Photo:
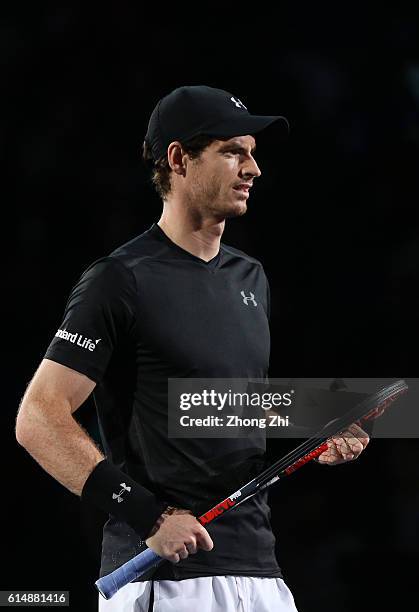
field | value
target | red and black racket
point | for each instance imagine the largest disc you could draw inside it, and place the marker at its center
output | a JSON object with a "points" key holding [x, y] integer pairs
{"points": [[369, 408]]}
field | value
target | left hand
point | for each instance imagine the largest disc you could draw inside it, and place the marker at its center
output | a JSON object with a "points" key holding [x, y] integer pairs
{"points": [[345, 447]]}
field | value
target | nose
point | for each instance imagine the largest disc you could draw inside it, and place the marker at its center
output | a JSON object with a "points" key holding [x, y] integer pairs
{"points": [[250, 168]]}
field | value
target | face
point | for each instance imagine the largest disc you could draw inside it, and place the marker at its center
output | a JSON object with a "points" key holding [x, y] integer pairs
{"points": [[219, 181]]}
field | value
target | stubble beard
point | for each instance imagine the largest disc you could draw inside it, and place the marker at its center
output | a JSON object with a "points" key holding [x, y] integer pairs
{"points": [[209, 199]]}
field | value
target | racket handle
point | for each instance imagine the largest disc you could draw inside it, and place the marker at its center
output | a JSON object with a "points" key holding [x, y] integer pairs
{"points": [[129, 571]]}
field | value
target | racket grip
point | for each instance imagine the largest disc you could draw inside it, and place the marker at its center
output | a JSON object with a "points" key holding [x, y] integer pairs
{"points": [[129, 571]]}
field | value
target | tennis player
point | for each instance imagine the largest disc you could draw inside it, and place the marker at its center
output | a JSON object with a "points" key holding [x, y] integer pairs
{"points": [[174, 302]]}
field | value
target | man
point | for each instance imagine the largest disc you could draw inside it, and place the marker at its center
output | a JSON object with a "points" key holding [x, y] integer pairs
{"points": [[173, 302]]}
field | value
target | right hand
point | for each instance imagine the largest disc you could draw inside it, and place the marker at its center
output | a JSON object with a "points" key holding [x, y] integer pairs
{"points": [[177, 534]]}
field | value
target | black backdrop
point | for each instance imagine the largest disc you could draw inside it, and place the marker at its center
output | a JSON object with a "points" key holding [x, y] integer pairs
{"points": [[334, 219]]}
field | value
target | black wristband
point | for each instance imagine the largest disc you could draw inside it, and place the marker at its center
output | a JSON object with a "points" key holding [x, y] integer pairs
{"points": [[118, 494]]}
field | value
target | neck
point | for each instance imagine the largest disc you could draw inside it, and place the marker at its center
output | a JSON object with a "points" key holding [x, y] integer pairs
{"points": [[192, 231]]}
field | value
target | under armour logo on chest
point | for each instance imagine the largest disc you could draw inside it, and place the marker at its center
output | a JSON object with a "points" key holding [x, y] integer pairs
{"points": [[238, 102], [247, 299]]}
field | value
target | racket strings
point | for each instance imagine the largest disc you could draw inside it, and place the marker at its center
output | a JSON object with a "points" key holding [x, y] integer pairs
{"points": [[307, 447]]}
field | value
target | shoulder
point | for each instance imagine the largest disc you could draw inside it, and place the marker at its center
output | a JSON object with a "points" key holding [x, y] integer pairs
{"points": [[232, 252], [106, 268], [139, 249], [120, 262], [106, 279]]}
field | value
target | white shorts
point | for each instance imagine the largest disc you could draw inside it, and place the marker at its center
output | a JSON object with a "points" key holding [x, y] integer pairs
{"points": [[208, 594]]}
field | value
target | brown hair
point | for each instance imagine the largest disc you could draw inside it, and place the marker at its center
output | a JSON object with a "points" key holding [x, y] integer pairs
{"points": [[161, 170]]}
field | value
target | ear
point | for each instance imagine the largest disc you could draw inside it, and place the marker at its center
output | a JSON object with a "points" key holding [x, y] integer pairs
{"points": [[176, 158]]}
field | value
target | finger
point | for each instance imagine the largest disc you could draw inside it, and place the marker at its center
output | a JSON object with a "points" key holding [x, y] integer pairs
{"points": [[358, 432], [191, 546], [204, 540], [356, 439], [342, 447], [353, 446], [183, 553], [174, 558], [355, 435], [331, 455]]}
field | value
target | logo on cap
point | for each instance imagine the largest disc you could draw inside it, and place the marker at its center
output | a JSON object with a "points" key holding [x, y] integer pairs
{"points": [[238, 102]]}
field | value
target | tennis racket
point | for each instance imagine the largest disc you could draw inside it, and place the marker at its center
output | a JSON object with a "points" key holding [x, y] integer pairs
{"points": [[369, 408]]}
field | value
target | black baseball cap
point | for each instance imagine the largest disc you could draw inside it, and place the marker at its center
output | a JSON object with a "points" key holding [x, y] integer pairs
{"points": [[193, 110]]}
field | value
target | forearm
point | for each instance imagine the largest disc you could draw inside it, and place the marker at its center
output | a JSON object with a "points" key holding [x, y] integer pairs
{"points": [[58, 443]]}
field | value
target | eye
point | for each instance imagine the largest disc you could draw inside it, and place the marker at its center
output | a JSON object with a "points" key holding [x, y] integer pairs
{"points": [[232, 152]]}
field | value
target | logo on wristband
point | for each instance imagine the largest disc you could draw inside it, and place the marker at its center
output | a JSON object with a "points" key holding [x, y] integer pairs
{"points": [[121, 492]]}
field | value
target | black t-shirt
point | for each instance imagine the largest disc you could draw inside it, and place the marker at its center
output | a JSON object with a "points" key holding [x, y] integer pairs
{"points": [[149, 312]]}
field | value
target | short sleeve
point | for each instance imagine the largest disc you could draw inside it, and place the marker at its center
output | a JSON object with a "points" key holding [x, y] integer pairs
{"points": [[99, 314]]}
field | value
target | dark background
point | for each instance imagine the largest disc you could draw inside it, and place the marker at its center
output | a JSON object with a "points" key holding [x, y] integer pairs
{"points": [[334, 219]]}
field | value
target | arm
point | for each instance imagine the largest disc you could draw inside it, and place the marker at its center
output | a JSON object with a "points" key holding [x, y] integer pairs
{"points": [[102, 305], [46, 428]]}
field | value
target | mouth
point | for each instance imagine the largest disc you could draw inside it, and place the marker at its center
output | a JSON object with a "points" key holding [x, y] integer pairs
{"points": [[243, 188]]}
